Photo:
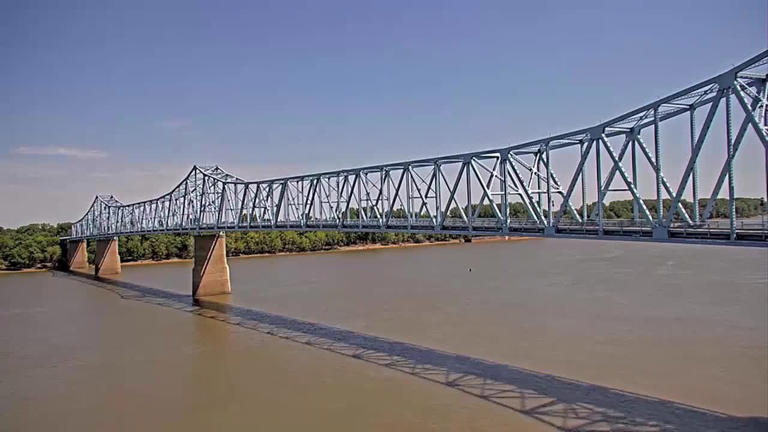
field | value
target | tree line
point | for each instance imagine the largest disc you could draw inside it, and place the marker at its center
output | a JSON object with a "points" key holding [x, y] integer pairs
{"points": [[37, 245], [623, 209]]}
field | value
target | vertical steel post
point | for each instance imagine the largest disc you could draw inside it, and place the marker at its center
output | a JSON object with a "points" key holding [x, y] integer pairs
{"points": [[549, 188], [438, 197], [300, 202], [390, 203], [338, 200], [184, 204], [765, 123], [470, 217], [408, 203], [381, 203], [241, 210], [635, 209], [657, 149], [538, 179], [360, 205], [729, 137], [695, 172], [221, 204], [155, 210], [599, 172], [202, 199], [504, 155], [279, 204], [168, 214], [109, 218], [583, 188]]}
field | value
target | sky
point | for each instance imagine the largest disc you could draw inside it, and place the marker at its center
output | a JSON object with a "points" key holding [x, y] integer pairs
{"points": [[124, 97]]}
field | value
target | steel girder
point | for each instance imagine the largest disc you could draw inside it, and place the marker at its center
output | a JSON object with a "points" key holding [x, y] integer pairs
{"points": [[502, 191]]}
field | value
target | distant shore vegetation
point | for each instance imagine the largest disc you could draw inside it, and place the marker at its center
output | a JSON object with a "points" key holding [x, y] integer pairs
{"points": [[37, 245]]}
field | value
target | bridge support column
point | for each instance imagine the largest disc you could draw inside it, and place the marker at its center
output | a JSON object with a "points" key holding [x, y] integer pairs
{"points": [[107, 258], [210, 274], [77, 255]]}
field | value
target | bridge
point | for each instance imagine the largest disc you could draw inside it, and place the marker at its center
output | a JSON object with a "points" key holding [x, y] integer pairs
{"points": [[537, 188]]}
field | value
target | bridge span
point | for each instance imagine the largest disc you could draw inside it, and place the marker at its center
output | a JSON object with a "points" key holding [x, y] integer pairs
{"points": [[540, 188]]}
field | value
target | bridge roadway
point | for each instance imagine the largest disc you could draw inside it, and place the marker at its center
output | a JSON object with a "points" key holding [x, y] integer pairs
{"points": [[524, 189]]}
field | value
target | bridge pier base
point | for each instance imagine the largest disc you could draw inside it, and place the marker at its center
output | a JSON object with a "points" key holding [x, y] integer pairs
{"points": [[77, 255], [550, 231], [107, 258], [210, 274]]}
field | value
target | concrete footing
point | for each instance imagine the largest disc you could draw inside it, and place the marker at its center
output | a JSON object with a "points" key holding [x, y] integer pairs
{"points": [[107, 259], [550, 231], [210, 274], [77, 255]]}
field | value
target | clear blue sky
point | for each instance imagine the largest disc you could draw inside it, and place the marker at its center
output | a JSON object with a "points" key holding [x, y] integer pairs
{"points": [[102, 97]]}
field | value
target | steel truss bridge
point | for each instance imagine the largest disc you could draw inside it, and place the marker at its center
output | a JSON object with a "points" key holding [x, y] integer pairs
{"points": [[546, 182]]}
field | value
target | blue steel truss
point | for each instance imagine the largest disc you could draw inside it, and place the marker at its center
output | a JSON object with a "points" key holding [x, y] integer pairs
{"points": [[472, 193]]}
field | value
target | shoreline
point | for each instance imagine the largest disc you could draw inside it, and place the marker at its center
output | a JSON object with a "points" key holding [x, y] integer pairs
{"points": [[351, 248], [27, 270], [341, 249]]}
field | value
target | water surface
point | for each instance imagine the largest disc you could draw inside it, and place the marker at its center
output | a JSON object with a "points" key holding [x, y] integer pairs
{"points": [[681, 322], [76, 357]]}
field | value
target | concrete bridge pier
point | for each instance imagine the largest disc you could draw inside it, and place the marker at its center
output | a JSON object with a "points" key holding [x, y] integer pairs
{"points": [[210, 274], [107, 258], [76, 255]]}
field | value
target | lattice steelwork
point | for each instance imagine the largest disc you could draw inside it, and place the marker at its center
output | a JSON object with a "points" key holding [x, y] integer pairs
{"points": [[472, 193]]}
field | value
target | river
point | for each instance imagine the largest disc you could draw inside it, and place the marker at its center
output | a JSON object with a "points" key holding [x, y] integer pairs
{"points": [[681, 323]]}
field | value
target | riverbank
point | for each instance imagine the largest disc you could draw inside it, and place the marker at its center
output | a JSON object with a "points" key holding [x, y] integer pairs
{"points": [[30, 270], [351, 248]]}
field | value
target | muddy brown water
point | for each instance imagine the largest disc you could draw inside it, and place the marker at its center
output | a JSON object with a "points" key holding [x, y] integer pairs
{"points": [[685, 323]]}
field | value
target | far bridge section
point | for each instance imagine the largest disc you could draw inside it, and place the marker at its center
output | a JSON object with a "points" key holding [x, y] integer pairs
{"points": [[543, 187]]}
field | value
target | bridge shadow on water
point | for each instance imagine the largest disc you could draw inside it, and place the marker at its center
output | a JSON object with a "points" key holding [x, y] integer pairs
{"points": [[562, 403]]}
